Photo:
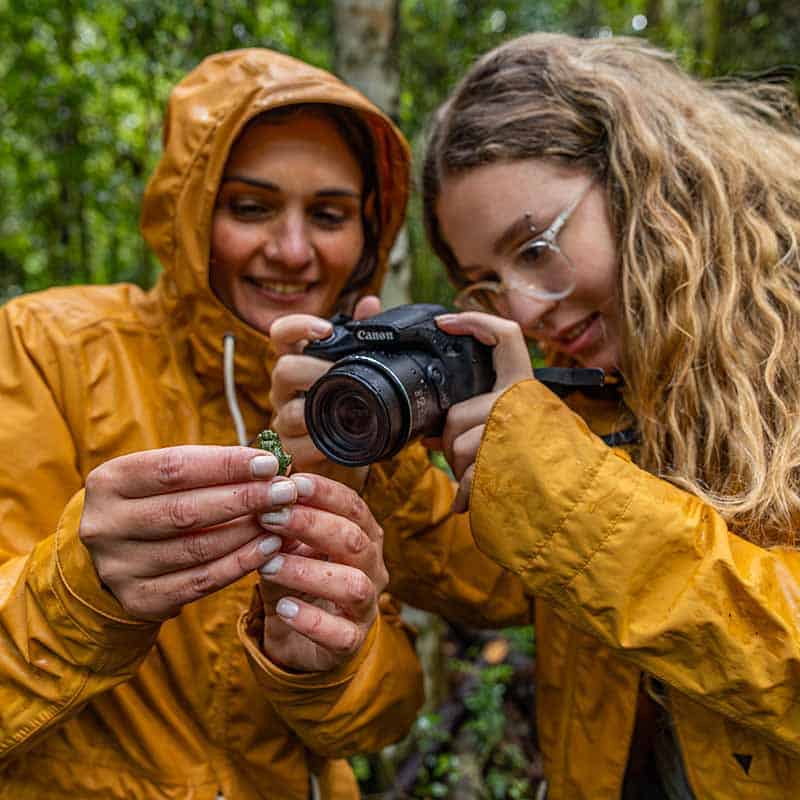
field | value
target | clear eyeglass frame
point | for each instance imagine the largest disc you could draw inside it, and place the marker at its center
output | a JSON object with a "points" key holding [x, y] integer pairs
{"points": [[557, 277]]}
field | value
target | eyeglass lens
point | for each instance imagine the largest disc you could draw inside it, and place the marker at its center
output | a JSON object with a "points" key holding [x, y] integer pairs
{"points": [[541, 270]]}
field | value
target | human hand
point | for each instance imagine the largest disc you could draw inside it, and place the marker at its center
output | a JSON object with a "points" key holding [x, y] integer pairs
{"points": [[332, 563], [167, 527], [292, 376], [466, 421]]}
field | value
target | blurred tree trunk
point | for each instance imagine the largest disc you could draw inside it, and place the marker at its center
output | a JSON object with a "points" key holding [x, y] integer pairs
{"points": [[365, 55], [712, 30], [654, 10]]}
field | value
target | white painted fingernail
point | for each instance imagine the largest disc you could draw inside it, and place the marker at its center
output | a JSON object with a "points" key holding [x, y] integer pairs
{"points": [[283, 492], [287, 608], [269, 545], [272, 566], [305, 486], [276, 517], [264, 466]]}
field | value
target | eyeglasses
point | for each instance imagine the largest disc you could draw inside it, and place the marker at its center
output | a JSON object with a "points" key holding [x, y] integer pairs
{"points": [[541, 270]]}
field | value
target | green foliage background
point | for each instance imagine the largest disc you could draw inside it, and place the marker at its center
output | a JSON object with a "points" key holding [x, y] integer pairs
{"points": [[85, 83]]}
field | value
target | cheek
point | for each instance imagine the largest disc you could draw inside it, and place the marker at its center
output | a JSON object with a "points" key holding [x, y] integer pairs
{"points": [[230, 245], [342, 253]]}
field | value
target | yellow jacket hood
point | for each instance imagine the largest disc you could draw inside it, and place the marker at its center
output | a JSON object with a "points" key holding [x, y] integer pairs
{"points": [[206, 113]]}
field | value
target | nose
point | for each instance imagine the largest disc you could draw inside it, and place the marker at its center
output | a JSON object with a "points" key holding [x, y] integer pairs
{"points": [[289, 242], [530, 312]]}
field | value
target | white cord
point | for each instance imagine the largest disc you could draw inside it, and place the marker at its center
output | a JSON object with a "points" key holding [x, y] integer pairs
{"points": [[228, 348]]}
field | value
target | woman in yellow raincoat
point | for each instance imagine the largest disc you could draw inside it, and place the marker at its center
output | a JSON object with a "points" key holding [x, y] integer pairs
{"points": [[132, 525], [593, 197], [636, 220]]}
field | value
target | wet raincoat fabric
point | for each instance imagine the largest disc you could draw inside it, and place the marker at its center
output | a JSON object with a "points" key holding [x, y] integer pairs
{"points": [[93, 703], [633, 580]]}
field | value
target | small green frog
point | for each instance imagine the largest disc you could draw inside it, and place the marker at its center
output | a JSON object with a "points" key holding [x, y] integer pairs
{"points": [[270, 441]]}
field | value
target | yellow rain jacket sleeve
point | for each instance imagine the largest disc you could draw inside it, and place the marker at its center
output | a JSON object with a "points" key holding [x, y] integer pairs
{"points": [[643, 567], [319, 705], [63, 638], [430, 553]]}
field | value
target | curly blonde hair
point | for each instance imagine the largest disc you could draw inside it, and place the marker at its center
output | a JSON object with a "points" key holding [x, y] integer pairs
{"points": [[703, 188]]}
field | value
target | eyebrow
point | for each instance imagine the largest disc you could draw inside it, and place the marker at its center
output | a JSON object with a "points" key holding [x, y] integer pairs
{"points": [[514, 231], [273, 187]]}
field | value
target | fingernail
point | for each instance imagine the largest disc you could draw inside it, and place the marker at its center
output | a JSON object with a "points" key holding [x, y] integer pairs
{"points": [[282, 492], [275, 517], [305, 486], [445, 317], [264, 466], [272, 566], [321, 328], [287, 608], [269, 545]]}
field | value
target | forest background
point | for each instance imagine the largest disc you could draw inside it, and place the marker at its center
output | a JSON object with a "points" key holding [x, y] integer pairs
{"points": [[84, 85]]}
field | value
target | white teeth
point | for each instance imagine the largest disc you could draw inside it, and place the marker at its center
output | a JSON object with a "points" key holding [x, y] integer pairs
{"points": [[577, 331], [282, 288]]}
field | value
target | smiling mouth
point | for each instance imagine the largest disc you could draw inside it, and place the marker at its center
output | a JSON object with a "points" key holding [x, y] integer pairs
{"points": [[576, 330], [279, 287]]}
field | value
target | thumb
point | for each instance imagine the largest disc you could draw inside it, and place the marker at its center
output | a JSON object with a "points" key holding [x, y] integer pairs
{"points": [[367, 307]]}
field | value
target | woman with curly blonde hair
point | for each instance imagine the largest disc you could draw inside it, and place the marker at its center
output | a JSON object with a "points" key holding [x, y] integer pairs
{"points": [[593, 197]]}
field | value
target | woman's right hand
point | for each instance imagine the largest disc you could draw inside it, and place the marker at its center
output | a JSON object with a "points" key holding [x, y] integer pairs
{"points": [[321, 593], [167, 527], [466, 421], [293, 375]]}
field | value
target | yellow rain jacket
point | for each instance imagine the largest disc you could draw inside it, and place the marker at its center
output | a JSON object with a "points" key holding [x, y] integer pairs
{"points": [[632, 577], [95, 704]]}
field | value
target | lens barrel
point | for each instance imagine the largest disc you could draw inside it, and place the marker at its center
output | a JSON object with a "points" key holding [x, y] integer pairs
{"points": [[365, 408]]}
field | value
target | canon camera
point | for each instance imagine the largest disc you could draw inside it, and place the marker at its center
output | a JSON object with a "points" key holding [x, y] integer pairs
{"points": [[395, 377]]}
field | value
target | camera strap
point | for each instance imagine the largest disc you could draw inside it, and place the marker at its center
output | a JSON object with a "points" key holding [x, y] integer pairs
{"points": [[622, 438], [565, 380]]}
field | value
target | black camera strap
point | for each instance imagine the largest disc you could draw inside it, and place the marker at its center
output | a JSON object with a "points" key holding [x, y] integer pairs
{"points": [[622, 438]]}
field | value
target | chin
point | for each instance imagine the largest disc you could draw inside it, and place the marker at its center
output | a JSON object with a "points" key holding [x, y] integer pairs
{"points": [[262, 324], [604, 360], [608, 365], [260, 318]]}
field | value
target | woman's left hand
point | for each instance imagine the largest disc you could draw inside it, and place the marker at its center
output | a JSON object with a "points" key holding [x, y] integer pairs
{"points": [[332, 565], [466, 421]]}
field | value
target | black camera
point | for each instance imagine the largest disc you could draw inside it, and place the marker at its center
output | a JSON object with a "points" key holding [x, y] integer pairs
{"points": [[395, 377]]}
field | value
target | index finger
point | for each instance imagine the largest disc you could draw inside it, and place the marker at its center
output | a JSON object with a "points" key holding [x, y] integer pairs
{"points": [[290, 334], [329, 495], [512, 361], [171, 469], [293, 374]]}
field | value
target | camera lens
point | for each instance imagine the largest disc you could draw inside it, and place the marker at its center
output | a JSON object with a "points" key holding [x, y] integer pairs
{"points": [[357, 412], [351, 414]]}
